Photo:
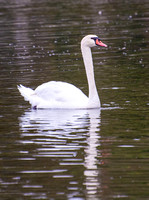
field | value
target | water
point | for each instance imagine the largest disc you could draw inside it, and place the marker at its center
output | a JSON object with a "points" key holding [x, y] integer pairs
{"points": [[74, 154]]}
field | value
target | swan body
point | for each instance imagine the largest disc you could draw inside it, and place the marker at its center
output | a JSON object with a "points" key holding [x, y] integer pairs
{"points": [[62, 95]]}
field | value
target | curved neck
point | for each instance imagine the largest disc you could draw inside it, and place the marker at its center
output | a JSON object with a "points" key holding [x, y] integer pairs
{"points": [[88, 62]]}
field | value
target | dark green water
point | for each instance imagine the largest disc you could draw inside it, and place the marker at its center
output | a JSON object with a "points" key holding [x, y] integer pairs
{"points": [[75, 154]]}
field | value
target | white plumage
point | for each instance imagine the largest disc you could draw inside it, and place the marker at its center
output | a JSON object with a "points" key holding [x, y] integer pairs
{"points": [[62, 95], [54, 94]]}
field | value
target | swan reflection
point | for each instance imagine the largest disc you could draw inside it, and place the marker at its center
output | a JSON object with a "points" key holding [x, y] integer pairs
{"points": [[63, 134], [91, 154]]}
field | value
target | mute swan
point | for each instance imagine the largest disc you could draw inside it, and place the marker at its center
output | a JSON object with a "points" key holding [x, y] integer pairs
{"points": [[62, 95]]}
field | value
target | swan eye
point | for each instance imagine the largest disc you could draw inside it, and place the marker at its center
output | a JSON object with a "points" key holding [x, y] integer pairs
{"points": [[95, 39]]}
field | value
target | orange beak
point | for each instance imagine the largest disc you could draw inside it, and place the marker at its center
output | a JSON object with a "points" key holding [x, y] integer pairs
{"points": [[99, 43]]}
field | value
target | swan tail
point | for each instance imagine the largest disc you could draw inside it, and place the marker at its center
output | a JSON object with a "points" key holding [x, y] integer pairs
{"points": [[25, 92], [29, 95]]}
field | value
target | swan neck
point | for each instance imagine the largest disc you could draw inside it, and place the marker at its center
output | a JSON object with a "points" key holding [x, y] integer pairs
{"points": [[88, 62]]}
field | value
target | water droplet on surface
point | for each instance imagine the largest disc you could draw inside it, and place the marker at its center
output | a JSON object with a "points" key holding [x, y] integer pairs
{"points": [[100, 12]]}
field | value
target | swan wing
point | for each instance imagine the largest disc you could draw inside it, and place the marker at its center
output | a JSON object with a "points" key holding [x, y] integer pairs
{"points": [[61, 95], [55, 94]]}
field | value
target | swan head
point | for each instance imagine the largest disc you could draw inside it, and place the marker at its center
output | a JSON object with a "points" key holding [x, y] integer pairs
{"points": [[92, 41]]}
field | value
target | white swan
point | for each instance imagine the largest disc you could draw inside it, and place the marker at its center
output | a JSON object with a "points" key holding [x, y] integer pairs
{"points": [[62, 95]]}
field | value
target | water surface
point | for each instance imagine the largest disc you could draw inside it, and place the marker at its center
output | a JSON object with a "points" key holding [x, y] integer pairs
{"points": [[74, 154]]}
